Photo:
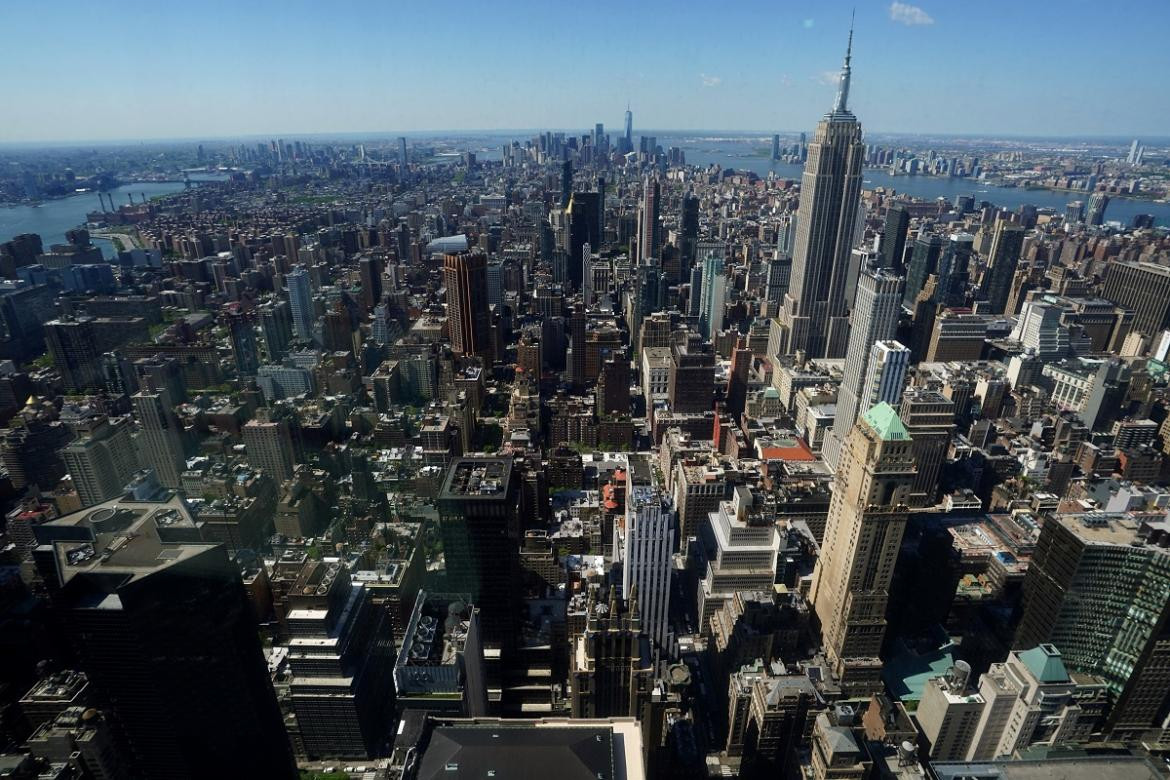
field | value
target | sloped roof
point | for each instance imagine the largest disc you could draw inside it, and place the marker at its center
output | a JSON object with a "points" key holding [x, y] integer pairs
{"points": [[885, 421], [1045, 664]]}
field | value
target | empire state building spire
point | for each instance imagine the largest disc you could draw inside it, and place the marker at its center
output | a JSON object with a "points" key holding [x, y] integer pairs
{"points": [[841, 106]]}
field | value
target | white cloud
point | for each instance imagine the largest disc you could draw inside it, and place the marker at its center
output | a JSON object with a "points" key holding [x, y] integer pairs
{"points": [[907, 14], [710, 81], [829, 78]]}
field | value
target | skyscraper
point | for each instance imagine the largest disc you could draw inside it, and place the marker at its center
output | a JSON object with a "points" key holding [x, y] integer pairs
{"points": [[689, 229], [162, 628], [160, 437], [241, 325], [646, 554], [629, 137], [923, 262], [1098, 201], [465, 277], [867, 515], [403, 158], [300, 301], [893, 243], [276, 327], [713, 296], [101, 460], [341, 655], [612, 669], [1006, 245], [650, 230], [480, 531], [814, 314], [874, 319], [269, 446], [1097, 589], [775, 147]]}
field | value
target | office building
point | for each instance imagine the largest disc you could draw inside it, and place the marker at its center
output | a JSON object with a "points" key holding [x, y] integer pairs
{"points": [[690, 387], [929, 417], [480, 531], [300, 301], [439, 748], [1098, 201], [1096, 589], [746, 545], [815, 308], [101, 460], [1143, 288], [924, 257], [647, 546], [893, 241], [1002, 261], [465, 277], [241, 325], [863, 533], [340, 657], [160, 624], [440, 666], [611, 664], [713, 295], [160, 440], [874, 319], [1029, 700], [650, 226], [270, 449], [949, 714]]}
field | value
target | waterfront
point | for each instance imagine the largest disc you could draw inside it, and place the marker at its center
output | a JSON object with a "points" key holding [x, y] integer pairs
{"points": [[53, 217]]}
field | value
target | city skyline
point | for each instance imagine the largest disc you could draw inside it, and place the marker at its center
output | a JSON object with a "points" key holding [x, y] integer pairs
{"points": [[399, 83]]}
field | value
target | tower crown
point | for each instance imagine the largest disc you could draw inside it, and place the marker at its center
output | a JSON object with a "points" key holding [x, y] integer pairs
{"points": [[842, 104]]}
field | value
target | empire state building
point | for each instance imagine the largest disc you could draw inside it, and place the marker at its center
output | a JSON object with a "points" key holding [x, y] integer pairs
{"points": [[814, 317]]}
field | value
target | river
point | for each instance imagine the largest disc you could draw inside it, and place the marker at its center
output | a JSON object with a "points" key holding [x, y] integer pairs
{"points": [[53, 217]]}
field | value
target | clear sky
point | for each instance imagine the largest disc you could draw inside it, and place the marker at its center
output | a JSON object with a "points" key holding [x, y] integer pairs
{"points": [[201, 69]]}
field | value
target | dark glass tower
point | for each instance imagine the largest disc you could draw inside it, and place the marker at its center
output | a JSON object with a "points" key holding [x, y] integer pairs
{"points": [[160, 623]]}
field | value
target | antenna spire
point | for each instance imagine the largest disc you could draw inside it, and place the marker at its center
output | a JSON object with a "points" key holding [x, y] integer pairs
{"points": [[842, 104]]}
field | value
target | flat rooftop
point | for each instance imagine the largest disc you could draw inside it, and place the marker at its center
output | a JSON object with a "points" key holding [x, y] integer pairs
{"points": [[478, 478]]}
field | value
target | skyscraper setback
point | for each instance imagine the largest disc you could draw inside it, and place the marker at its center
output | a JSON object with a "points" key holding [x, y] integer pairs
{"points": [[814, 313]]}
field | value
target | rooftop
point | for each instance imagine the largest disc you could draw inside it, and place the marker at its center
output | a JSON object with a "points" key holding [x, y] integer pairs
{"points": [[886, 423]]}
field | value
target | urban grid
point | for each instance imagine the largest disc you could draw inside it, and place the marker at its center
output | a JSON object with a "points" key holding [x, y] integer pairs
{"points": [[554, 455]]}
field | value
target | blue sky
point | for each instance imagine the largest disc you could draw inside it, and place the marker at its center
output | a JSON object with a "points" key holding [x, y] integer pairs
{"points": [[88, 70]]}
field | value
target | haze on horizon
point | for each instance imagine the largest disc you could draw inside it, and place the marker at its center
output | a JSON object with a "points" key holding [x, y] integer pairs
{"points": [[214, 69]]}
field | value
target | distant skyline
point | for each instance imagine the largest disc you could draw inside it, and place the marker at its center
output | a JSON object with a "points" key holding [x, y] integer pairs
{"points": [[213, 69]]}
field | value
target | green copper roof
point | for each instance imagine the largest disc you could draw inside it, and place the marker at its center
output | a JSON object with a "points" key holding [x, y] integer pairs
{"points": [[884, 419], [1044, 663]]}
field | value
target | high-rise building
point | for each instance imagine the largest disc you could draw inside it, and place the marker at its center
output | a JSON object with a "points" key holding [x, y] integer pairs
{"points": [[101, 460], [403, 157], [692, 378], [1098, 202], [1029, 699], [628, 138], [949, 714], [612, 667], [779, 277], [689, 229], [300, 301], [584, 211], [269, 446], [775, 146], [830, 191], [160, 437], [276, 327], [465, 277], [163, 629], [747, 545], [241, 325], [874, 320], [1006, 245], [953, 270], [713, 295], [893, 244], [480, 530], [924, 259], [647, 549], [1096, 589], [341, 655], [867, 515], [929, 417], [1144, 288], [650, 226]]}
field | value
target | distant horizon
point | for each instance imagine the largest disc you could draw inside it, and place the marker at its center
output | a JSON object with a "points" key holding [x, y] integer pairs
{"points": [[525, 132]]}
